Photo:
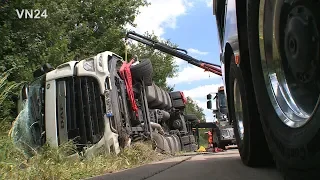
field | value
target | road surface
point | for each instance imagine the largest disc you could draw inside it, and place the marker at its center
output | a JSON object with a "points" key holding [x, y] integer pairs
{"points": [[217, 166]]}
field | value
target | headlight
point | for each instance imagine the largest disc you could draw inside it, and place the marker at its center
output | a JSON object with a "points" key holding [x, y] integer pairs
{"points": [[89, 64], [224, 116]]}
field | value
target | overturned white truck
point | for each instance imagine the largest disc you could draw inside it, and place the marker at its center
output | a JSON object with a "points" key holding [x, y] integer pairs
{"points": [[103, 102]]}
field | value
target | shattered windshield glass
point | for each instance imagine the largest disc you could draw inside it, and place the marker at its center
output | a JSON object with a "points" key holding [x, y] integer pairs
{"points": [[28, 126]]}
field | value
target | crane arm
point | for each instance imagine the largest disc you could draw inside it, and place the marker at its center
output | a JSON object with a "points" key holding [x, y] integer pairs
{"points": [[177, 52]]}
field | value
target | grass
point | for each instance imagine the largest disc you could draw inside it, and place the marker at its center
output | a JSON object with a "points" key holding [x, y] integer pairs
{"points": [[52, 163]]}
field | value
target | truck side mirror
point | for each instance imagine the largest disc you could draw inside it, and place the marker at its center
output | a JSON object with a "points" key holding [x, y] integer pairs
{"points": [[209, 97], [215, 111], [209, 104]]}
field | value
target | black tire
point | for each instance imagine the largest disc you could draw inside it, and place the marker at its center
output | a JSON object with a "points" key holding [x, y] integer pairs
{"points": [[295, 150], [178, 142], [222, 146], [191, 117], [189, 139], [178, 103], [190, 147], [253, 144], [160, 143], [175, 95], [143, 70], [171, 143]]}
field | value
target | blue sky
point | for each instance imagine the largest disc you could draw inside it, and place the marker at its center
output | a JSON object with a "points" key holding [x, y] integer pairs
{"points": [[191, 25]]}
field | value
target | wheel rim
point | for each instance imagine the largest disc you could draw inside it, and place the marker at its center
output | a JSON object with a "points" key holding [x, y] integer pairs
{"points": [[238, 109], [289, 48]]}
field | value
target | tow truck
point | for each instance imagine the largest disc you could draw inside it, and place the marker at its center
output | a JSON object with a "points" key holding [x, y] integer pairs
{"points": [[226, 136], [270, 58]]}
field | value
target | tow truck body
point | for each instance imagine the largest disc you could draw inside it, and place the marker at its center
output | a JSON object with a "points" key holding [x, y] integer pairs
{"points": [[269, 54], [226, 136]]}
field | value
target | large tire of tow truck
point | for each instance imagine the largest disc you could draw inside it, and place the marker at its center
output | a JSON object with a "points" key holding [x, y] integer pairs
{"points": [[143, 70], [252, 145], [286, 85]]}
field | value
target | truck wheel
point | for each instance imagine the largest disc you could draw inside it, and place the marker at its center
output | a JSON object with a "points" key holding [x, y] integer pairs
{"points": [[143, 70], [160, 144], [172, 144], [190, 147], [284, 57], [190, 117], [177, 141], [175, 95], [189, 139], [250, 137]]}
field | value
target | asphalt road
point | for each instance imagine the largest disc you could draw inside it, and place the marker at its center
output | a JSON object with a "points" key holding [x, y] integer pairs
{"points": [[215, 166]]}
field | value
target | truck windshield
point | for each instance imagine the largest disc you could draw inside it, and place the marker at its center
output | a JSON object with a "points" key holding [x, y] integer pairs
{"points": [[29, 125], [222, 99]]}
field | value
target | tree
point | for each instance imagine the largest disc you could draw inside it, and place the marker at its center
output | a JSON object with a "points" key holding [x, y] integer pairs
{"points": [[73, 29], [193, 108], [163, 64]]}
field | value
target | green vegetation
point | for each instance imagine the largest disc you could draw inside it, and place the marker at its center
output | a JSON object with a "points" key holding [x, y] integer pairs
{"points": [[203, 139], [53, 163], [193, 108], [163, 64], [73, 30]]}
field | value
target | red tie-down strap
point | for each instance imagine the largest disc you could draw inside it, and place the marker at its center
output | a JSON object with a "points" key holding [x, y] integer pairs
{"points": [[125, 74], [184, 99]]}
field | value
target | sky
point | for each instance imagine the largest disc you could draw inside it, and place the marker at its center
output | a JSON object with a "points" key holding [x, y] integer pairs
{"points": [[191, 25]]}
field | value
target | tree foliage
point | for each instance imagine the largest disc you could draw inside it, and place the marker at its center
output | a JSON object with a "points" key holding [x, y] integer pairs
{"points": [[163, 64], [193, 108], [73, 29]]}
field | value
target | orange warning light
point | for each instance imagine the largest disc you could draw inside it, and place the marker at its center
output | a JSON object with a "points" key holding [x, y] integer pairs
{"points": [[237, 59]]}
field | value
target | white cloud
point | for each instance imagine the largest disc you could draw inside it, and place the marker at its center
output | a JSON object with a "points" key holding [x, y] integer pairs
{"points": [[196, 51], [190, 74], [202, 91], [159, 15], [178, 61], [209, 3]]}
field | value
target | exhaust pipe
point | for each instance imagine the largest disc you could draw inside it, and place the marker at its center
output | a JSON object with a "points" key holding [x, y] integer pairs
{"points": [[156, 126]]}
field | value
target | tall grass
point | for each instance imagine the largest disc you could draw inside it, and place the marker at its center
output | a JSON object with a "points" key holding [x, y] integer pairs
{"points": [[4, 87], [53, 163]]}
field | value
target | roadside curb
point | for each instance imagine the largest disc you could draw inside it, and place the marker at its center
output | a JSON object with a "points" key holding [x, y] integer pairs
{"points": [[144, 171]]}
